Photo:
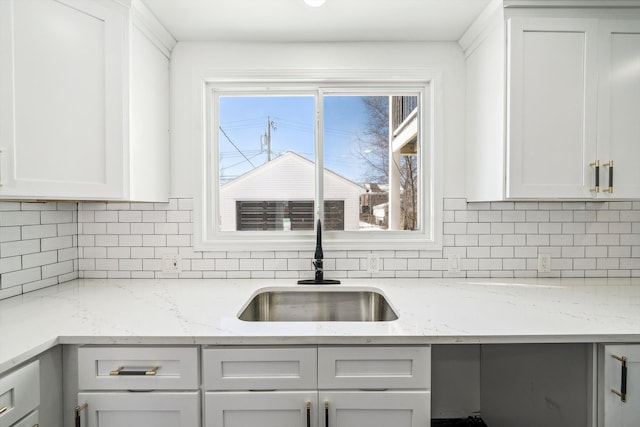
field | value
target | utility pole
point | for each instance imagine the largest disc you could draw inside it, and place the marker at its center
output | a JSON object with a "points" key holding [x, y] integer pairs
{"points": [[270, 125]]}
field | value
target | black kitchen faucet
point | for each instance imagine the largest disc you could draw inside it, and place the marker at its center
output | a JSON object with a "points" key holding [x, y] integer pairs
{"points": [[318, 256]]}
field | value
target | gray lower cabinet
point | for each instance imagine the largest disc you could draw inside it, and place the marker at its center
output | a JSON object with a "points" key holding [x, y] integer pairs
{"points": [[619, 389], [346, 386], [261, 408], [31, 394], [152, 409], [20, 396], [153, 386]]}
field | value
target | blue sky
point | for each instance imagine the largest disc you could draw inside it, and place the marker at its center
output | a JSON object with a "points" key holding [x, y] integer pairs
{"points": [[244, 121]]}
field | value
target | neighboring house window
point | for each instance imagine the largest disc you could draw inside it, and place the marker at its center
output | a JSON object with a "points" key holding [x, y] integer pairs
{"points": [[358, 157]]}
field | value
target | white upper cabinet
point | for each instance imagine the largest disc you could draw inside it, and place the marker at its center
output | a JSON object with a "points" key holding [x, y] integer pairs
{"points": [[619, 108], [83, 101], [548, 111], [551, 93]]}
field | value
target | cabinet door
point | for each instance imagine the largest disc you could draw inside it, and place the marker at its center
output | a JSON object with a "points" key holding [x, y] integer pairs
{"points": [[31, 420], [619, 107], [614, 412], [264, 409], [61, 99], [551, 107], [375, 409], [19, 393], [150, 409]]}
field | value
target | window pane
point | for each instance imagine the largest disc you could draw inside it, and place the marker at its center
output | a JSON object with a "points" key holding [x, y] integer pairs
{"points": [[371, 160], [266, 162]]}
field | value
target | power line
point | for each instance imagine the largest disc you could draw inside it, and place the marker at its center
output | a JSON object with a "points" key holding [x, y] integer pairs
{"points": [[235, 146]]}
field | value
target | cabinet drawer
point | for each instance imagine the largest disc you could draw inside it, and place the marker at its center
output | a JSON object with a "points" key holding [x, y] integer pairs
{"points": [[157, 409], [137, 368], [19, 393], [371, 368], [284, 368], [30, 420]]}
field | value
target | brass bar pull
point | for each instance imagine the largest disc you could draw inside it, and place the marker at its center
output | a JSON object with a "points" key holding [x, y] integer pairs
{"points": [[623, 379], [610, 166], [135, 371], [326, 413], [596, 164], [308, 414], [3, 409], [79, 409]]}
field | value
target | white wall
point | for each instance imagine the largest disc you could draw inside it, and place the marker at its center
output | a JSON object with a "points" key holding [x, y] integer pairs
{"points": [[192, 62]]}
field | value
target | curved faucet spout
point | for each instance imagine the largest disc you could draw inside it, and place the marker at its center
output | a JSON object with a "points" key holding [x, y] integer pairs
{"points": [[318, 263]]}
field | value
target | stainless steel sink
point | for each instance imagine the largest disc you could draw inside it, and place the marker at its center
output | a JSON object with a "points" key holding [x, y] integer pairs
{"points": [[318, 306]]}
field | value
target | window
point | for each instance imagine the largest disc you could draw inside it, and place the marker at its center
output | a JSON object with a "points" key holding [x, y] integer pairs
{"points": [[280, 155]]}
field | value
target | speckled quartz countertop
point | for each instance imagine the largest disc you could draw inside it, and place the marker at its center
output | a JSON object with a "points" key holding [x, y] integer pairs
{"points": [[431, 311]]}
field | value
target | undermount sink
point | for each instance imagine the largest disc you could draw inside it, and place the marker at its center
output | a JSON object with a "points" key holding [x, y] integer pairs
{"points": [[318, 306]]}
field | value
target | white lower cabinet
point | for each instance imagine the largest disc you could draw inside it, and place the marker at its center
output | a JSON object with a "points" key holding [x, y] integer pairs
{"points": [[619, 390], [20, 395], [122, 386], [375, 408], [261, 408], [349, 386], [31, 420]]}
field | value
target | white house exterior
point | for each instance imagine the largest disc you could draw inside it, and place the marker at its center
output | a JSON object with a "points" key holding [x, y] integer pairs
{"points": [[289, 177]]}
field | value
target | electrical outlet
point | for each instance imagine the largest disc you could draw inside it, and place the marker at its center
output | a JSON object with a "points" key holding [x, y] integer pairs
{"points": [[544, 263], [453, 264], [171, 263], [373, 263]]}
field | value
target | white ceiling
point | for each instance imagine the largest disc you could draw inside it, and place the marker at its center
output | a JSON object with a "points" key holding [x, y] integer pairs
{"points": [[337, 20]]}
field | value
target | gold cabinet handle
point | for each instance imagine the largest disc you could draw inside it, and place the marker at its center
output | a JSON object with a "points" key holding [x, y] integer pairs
{"points": [[610, 166], [3, 409], [596, 164], [135, 371], [623, 378]]}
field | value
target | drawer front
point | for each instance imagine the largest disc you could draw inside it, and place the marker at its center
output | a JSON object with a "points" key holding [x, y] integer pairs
{"points": [[283, 368], [138, 368], [156, 409], [30, 420], [374, 368], [19, 393]]}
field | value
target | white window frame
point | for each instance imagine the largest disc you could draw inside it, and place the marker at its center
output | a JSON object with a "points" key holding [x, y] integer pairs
{"points": [[207, 236]]}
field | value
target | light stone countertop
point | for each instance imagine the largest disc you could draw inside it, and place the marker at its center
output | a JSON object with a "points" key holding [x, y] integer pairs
{"points": [[431, 311]]}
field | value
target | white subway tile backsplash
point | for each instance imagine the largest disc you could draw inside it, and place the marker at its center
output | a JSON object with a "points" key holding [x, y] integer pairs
{"points": [[118, 228], [9, 218], [20, 277], [497, 239], [40, 284], [8, 234], [19, 247], [39, 259], [119, 252], [56, 217], [51, 243], [154, 216], [8, 264], [52, 270], [39, 231], [106, 216]]}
